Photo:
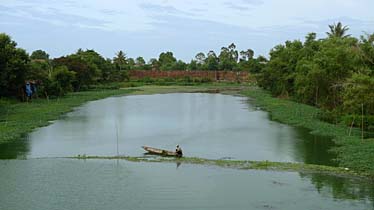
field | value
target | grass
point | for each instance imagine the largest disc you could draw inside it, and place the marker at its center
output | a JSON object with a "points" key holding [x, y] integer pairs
{"points": [[240, 164], [352, 152], [17, 119]]}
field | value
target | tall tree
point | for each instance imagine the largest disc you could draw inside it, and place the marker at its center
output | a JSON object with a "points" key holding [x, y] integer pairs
{"points": [[233, 52], [13, 66], [167, 61], [86, 71], [39, 55], [200, 58], [246, 55], [227, 58], [154, 63], [212, 61], [338, 30], [120, 61], [139, 61]]}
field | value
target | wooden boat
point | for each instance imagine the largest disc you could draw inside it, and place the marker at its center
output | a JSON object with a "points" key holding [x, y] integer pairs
{"points": [[161, 152]]}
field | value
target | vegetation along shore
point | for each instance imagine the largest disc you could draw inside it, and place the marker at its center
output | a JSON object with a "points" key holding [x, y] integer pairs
{"points": [[323, 84]]}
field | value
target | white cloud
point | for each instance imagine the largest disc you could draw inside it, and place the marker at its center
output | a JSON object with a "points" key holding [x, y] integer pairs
{"points": [[131, 15]]}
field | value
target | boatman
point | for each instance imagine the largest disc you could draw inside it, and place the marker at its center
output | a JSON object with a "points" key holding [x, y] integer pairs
{"points": [[178, 150]]}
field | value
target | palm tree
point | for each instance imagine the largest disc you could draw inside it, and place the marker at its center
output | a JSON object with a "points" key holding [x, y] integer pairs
{"points": [[120, 61], [338, 30]]}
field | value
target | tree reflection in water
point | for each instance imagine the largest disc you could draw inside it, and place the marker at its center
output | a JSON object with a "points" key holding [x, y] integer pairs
{"points": [[342, 187]]}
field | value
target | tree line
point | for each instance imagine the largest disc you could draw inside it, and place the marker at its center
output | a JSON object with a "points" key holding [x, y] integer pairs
{"points": [[83, 68], [335, 74]]}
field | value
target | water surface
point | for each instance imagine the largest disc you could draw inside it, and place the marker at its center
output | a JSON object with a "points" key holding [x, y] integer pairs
{"points": [[109, 184], [205, 125]]}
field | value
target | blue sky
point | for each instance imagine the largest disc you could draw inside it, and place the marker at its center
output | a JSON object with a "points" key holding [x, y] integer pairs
{"points": [[148, 27]]}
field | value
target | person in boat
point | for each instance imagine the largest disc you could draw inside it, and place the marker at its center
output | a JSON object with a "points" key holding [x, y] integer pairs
{"points": [[178, 150]]}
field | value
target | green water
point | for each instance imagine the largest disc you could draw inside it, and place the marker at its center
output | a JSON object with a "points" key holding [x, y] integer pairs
{"points": [[205, 125]]}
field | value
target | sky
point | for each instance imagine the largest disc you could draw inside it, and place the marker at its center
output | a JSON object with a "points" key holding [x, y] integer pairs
{"points": [[148, 27]]}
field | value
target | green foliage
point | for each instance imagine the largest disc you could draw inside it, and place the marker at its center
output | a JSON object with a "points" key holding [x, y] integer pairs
{"points": [[338, 30], [351, 152], [13, 66], [335, 74], [120, 61], [180, 65], [61, 82], [18, 119], [39, 70], [87, 65], [185, 81], [192, 66], [239, 164], [39, 55], [358, 92], [212, 62], [279, 74]]}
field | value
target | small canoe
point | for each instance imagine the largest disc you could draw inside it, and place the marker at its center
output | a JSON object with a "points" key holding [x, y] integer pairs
{"points": [[161, 152]]}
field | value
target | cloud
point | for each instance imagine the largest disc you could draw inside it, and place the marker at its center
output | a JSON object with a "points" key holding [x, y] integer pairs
{"points": [[108, 15], [148, 27], [140, 15], [236, 6]]}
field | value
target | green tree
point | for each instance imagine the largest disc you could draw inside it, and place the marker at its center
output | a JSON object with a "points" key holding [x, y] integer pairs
{"points": [[180, 65], [358, 94], [338, 31], [13, 66], [61, 82], [166, 61], [212, 61], [366, 51], [104, 66], [131, 63], [120, 61], [39, 55], [192, 66], [154, 63], [279, 74], [200, 58], [140, 61], [233, 52], [225, 59], [246, 55], [87, 73], [358, 91]]}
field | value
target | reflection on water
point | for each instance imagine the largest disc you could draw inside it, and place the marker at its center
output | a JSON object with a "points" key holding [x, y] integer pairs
{"points": [[205, 125], [13, 150], [342, 187], [110, 184], [313, 149]]}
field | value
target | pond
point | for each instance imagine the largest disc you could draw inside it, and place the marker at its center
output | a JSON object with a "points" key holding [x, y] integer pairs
{"points": [[214, 126], [206, 125]]}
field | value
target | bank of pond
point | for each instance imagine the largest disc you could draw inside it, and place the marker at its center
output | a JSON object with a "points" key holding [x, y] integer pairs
{"points": [[99, 144]]}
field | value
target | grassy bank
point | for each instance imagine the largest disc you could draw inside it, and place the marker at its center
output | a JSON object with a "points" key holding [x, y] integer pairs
{"points": [[352, 152], [19, 118]]}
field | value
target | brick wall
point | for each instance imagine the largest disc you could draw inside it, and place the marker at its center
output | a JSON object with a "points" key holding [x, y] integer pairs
{"points": [[232, 76]]}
